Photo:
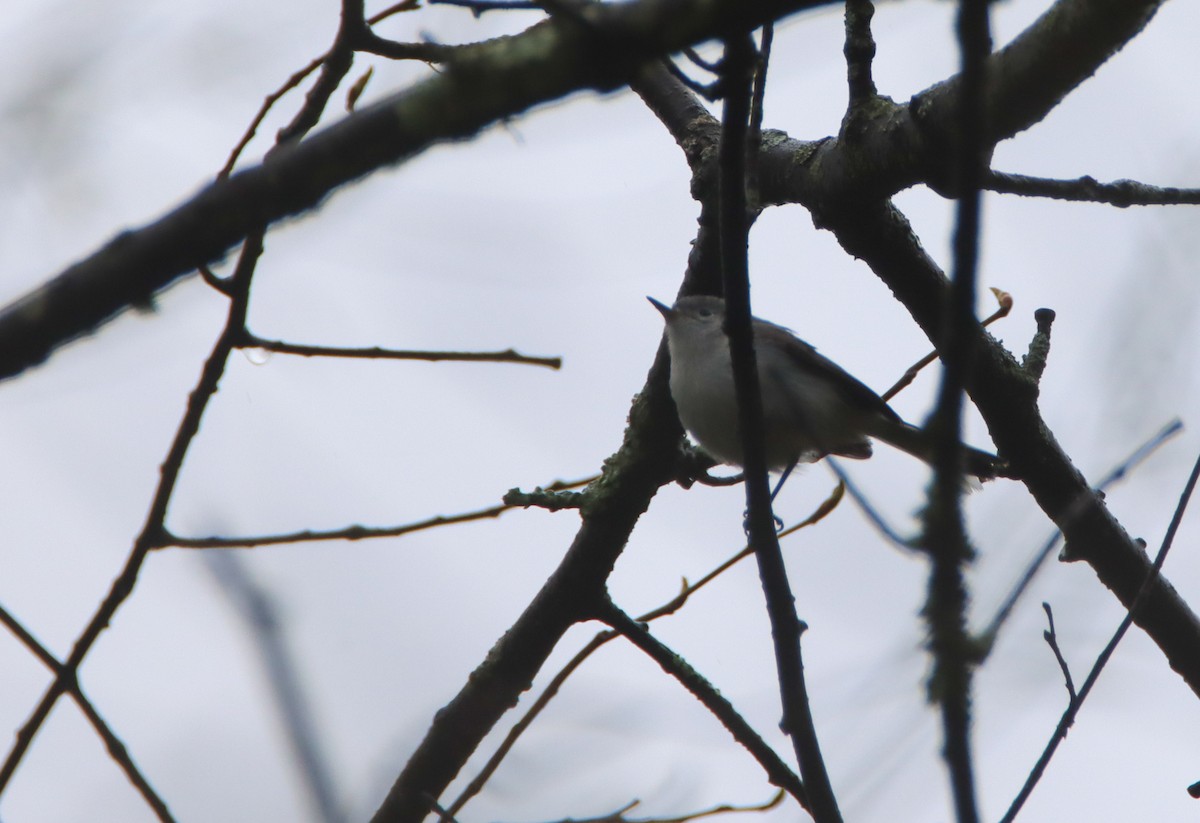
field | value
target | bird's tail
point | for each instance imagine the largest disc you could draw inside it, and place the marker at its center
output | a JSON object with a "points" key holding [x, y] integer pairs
{"points": [[920, 444]]}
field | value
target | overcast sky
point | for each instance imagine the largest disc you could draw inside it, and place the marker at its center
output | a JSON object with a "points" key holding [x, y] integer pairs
{"points": [[545, 235]]}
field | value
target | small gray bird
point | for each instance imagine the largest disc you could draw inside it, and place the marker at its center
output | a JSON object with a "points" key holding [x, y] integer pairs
{"points": [[811, 406]]}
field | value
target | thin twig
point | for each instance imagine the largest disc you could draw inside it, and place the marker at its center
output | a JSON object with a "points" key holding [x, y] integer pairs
{"points": [[252, 341], [395, 8], [1120, 193], [269, 103], [210, 277], [619, 816], [709, 91], [478, 7], [1006, 303], [353, 532], [344, 43], [1068, 718], [757, 112], [673, 664], [254, 605], [707, 65], [1051, 638]]}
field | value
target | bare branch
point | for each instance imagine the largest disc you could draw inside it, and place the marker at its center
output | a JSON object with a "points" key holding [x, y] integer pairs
{"points": [[478, 7], [1120, 193], [944, 535], [786, 627], [1034, 363], [620, 815], [253, 341], [357, 532], [487, 83], [259, 613], [777, 772], [1006, 303], [347, 533], [1031, 75], [395, 8], [859, 51], [1051, 638]]}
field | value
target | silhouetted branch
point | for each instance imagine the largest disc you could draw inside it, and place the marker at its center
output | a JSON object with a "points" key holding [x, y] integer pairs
{"points": [[1034, 362], [777, 771], [253, 341], [1006, 303], [1120, 193], [944, 536], [786, 627], [1051, 638], [859, 51], [620, 815], [1006, 396]]}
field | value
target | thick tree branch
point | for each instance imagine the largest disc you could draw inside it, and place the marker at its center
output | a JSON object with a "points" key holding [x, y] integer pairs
{"points": [[1032, 74], [506, 77], [481, 85], [892, 147], [1007, 398]]}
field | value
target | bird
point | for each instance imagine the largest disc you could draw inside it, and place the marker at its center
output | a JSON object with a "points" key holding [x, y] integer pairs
{"points": [[812, 407]]}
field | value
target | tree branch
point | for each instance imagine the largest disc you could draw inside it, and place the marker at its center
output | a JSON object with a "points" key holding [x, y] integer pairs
{"points": [[1007, 398], [786, 628], [1120, 193], [1032, 74], [504, 78], [253, 341], [777, 771], [487, 83], [945, 536]]}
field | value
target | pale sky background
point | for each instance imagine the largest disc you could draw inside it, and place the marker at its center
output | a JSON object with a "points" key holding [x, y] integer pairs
{"points": [[546, 235]]}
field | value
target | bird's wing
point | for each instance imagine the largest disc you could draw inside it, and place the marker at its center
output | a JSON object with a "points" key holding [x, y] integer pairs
{"points": [[806, 356]]}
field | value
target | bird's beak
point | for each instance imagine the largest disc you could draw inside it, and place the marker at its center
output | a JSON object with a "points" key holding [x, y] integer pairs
{"points": [[665, 311]]}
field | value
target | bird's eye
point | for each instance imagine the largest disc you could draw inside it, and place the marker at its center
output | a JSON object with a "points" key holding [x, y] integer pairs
{"points": [[705, 313]]}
